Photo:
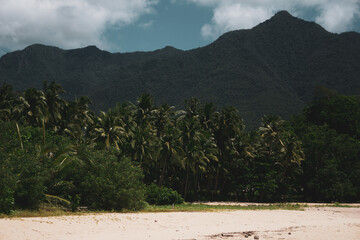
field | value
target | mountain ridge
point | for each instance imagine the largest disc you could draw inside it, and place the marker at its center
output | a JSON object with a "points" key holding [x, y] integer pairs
{"points": [[272, 68]]}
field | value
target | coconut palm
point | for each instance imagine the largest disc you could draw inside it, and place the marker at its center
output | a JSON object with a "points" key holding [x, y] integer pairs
{"points": [[162, 117], [228, 133], [143, 110], [291, 158], [198, 145], [76, 119], [142, 147], [207, 116], [7, 99], [108, 129], [54, 104], [37, 107], [168, 134], [282, 150]]}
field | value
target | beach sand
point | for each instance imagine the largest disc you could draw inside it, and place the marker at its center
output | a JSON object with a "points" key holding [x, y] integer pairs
{"points": [[312, 223]]}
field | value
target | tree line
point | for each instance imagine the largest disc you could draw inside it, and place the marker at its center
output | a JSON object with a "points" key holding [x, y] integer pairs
{"points": [[56, 148]]}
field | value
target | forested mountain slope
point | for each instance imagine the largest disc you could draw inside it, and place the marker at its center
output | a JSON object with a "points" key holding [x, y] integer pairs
{"points": [[271, 68]]}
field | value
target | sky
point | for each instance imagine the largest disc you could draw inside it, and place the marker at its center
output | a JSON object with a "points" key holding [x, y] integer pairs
{"points": [[147, 25]]}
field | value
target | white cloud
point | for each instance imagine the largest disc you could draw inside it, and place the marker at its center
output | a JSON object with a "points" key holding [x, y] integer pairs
{"points": [[334, 15], [65, 23], [338, 16], [237, 17], [146, 25]]}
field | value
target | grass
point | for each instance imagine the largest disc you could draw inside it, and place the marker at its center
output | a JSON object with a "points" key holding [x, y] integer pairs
{"points": [[340, 205], [188, 207], [52, 211], [46, 211], [43, 211]]}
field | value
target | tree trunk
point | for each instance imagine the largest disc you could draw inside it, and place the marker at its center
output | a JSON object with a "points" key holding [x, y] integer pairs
{"points": [[216, 180], [187, 180], [19, 135], [162, 176], [43, 131]]}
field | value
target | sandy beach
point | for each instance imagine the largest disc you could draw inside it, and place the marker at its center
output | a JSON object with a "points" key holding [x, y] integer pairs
{"points": [[312, 223]]}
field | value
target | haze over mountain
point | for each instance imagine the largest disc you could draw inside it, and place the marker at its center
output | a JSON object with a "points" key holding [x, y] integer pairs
{"points": [[271, 68]]}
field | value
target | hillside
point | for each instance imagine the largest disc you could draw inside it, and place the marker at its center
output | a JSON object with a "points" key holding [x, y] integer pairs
{"points": [[271, 68]]}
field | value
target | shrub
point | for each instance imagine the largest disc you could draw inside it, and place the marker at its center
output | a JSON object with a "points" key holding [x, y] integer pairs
{"points": [[162, 195], [113, 183], [21, 175], [7, 186], [30, 188], [6, 200]]}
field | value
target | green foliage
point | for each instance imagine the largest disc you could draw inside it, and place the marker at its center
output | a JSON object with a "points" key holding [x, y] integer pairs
{"points": [[339, 112], [162, 195], [330, 165], [6, 199], [113, 183], [63, 152], [7, 175], [30, 189], [328, 130], [7, 185], [75, 203]]}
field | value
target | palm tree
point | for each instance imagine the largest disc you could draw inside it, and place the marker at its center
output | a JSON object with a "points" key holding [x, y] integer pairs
{"points": [[7, 99], [142, 147], [197, 144], [108, 129], [291, 158], [162, 117], [207, 115], [37, 107], [76, 119], [143, 143], [281, 148], [12, 107], [143, 110], [54, 103], [126, 112], [168, 134], [228, 133], [270, 134]]}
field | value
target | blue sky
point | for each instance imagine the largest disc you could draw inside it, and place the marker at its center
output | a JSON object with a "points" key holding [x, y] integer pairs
{"points": [[146, 25], [175, 24]]}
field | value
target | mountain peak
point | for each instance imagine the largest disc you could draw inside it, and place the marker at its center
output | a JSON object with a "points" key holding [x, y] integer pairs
{"points": [[283, 14], [91, 48], [284, 22], [88, 51], [38, 46], [170, 49]]}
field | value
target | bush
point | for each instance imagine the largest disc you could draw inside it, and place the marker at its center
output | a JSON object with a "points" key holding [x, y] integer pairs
{"points": [[6, 200], [162, 195], [7, 186], [21, 175], [30, 188], [113, 183]]}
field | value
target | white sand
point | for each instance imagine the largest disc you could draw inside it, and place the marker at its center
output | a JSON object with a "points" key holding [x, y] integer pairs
{"points": [[313, 223]]}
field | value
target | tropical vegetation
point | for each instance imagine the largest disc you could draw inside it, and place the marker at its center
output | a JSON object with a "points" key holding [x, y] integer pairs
{"points": [[57, 149]]}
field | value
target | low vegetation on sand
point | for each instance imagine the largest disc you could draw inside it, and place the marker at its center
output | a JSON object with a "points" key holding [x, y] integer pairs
{"points": [[47, 211]]}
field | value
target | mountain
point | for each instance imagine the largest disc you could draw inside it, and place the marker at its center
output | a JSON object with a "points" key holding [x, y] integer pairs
{"points": [[3, 51], [271, 68]]}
